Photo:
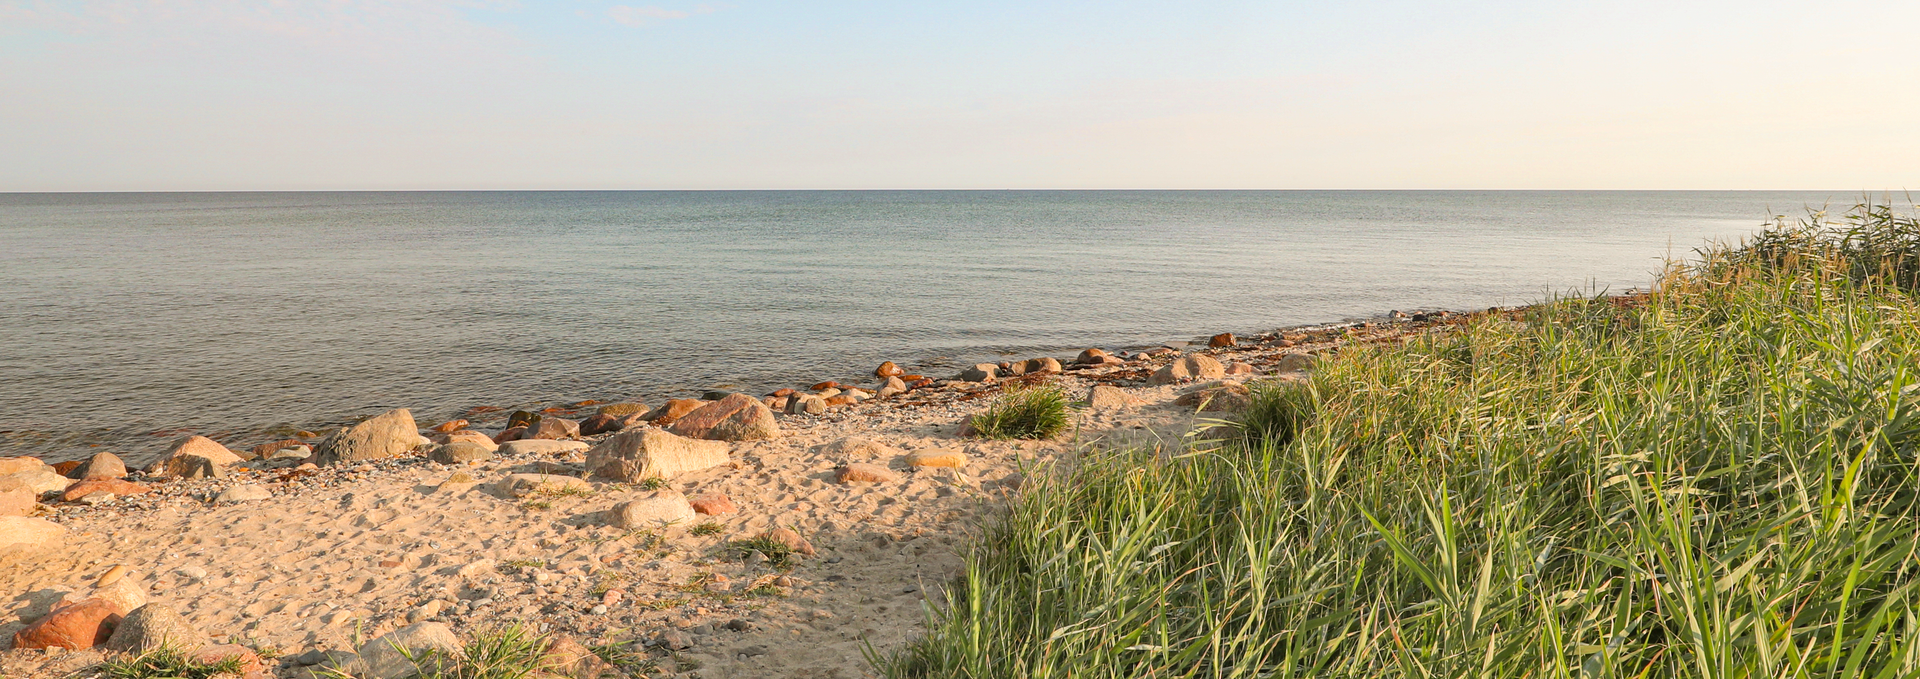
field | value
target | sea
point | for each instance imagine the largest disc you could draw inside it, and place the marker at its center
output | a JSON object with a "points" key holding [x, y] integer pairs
{"points": [[130, 319]]}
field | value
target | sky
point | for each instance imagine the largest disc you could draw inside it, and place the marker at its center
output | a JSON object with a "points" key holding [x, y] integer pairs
{"points": [[193, 95]]}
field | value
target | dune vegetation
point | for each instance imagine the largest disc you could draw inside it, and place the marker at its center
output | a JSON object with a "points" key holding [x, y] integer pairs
{"points": [[1715, 479]]}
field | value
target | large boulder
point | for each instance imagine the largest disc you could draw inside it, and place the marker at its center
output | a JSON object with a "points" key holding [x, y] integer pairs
{"points": [[551, 428], [400, 654], [18, 502], [672, 410], [389, 434], [15, 465], [664, 507], [646, 453], [101, 466], [153, 626], [738, 417], [1189, 368], [39, 482], [73, 627], [194, 457], [20, 532]]}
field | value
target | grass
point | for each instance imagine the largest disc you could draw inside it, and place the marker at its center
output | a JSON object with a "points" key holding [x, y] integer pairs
{"points": [[166, 662], [1716, 480], [653, 483], [510, 652], [778, 554], [1035, 412], [708, 528]]}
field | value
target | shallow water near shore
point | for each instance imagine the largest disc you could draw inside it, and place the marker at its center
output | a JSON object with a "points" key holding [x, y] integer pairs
{"points": [[131, 318]]}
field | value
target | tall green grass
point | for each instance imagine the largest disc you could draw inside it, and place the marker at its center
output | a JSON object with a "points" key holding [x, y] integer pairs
{"points": [[1717, 481]]}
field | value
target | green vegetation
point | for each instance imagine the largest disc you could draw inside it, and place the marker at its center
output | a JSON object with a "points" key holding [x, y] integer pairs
{"points": [[778, 554], [510, 652], [1037, 412], [708, 528], [166, 662], [1714, 480]]}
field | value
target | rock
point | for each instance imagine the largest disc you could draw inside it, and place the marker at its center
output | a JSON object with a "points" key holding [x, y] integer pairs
{"points": [[15, 465], [24, 532], [551, 428], [100, 466], [823, 386], [99, 498], [937, 458], [424, 611], [112, 575], [522, 418], [664, 507], [66, 468], [1238, 368], [509, 434], [647, 453], [673, 639], [302, 452], [672, 411], [854, 448], [266, 450], [1090, 357], [1217, 398], [841, 401], [888, 369], [791, 540], [426, 643], [38, 482], [119, 487], [600, 423], [1294, 361], [1013, 369], [828, 392], [18, 502], [251, 666], [982, 372], [389, 434], [196, 457], [738, 417], [777, 404], [569, 658], [522, 485], [623, 409], [250, 492], [861, 472], [713, 504], [126, 594], [541, 447], [1188, 368], [1222, 340], [1103, 397], [806, 404], [73, 627], [460, 453], [473, 437], [152, 626], [1042, 365], [893, 385]]}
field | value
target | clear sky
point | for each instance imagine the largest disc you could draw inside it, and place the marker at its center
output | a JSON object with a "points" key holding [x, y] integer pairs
{"points": [[657, 94]]}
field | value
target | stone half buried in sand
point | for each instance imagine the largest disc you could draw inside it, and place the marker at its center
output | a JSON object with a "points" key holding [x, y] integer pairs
{"points": [[1294, 361], [1188, 368], [522, 485], [400, 654], [861, 472], [939, 457], [738, 417], [460, 452], [713, 504], [20, 532], [152, 626], [663, 508], [194, 457], [647, 453], [389, 434], [119, 487]]}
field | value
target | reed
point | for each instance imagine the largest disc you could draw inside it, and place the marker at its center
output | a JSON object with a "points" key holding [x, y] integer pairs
{"points": [[1716, 480]]}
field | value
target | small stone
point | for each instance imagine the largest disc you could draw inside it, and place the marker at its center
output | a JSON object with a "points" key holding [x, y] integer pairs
{"points": [[250, 663], [1238, 368], [568, 658], [806, 404], [450, 426], [888, 369], [509, 434], [739, 625], [665, 507], [244, 493], [598, 609], [674, 640], [600, 423], [713, 504], [425, 611], [96, 498], [861, 472], [302, 452], [1043, 365], [460, 453], [937, 458], [1090, 357], [1217, 397], [1222, 340], [399, 654]]}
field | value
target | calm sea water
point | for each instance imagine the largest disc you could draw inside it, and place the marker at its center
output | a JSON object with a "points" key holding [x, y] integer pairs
{"points": [[129, 317]]}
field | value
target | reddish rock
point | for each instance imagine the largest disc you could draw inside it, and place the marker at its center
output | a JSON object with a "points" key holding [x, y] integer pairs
{"points": [[120, 487], [66, 468], [782, 392], [829, 384], [937, 458], [921, 383], [1284, 343], [474, 437], [510, 434], [910, 379], [861, 472], [1222, 340], [888, 369], [600, 424], [73, 627], [450, 426], [268, 449], [673, 410], [738, 417], [841, 401], [714, 504], [792, 540], [552, 428]]}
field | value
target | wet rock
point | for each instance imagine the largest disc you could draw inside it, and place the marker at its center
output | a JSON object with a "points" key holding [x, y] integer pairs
{"points": [[118, 487], [737, 417], [937, 458], [790, 539], [841, 401], [828, 392], [665, 507], [673, 410], [1103, 397], [522, 418], [646, 453], [522, 485], [982, 372], [861, 472], [100, 466], [1042, 365], [1210, 398], [199, 457], [551, 428], [1294, 362], [541, 447], [806, 404], [713, 504], [73, 627], [1188, 368], [600, 423], [1222, 340], [401, 653], [460, 453], [888, 369], [152, 626], [509, 434], [389, 434], [245, 493], [66, 468]]}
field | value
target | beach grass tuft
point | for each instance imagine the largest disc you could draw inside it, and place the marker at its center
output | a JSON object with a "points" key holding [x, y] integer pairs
{"points": [[166, 662], [1030, 412], [1717, 479]]}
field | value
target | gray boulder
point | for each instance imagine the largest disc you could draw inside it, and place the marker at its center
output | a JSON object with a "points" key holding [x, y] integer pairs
{"points": [[152, 626], [389, 434]]}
